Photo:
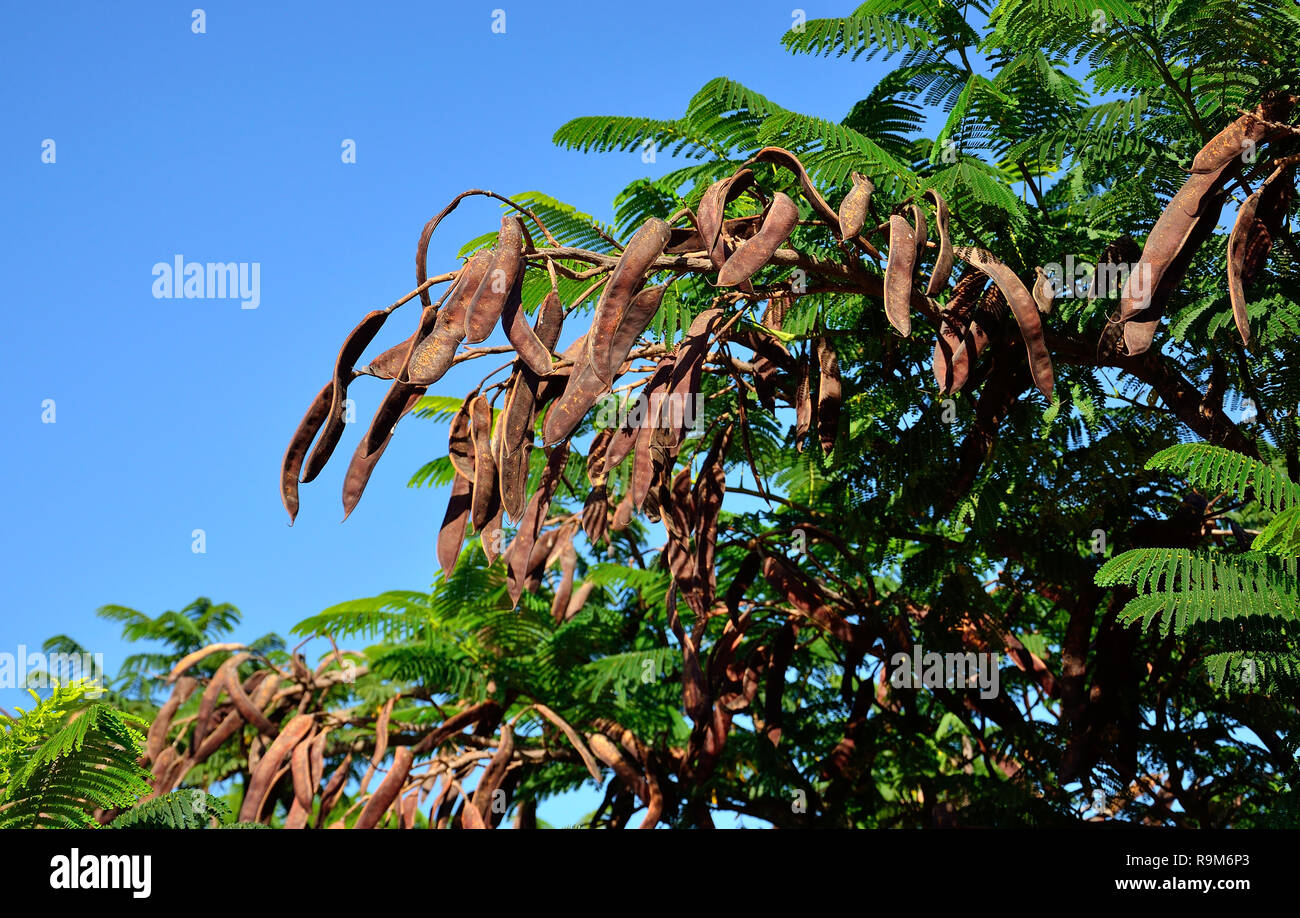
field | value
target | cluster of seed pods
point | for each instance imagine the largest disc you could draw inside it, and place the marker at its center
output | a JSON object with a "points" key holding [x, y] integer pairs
{"points": [[548, 394]]}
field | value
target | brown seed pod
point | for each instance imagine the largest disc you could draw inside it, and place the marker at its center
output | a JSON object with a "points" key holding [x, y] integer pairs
{"points": [[709, 215], [900, 269], [1238, 139], [208, 700], [1022, 307], [944, 260], [353, 347], [245, 706], [460, 445], [363, 464], [1258, 221], [1186, 222], [389, 363], [638, 257], [641, 413], [291, 467], [622, 514], [490, 535], [854, 207], [489, 299], [304, 789], [583, 391], [530, 526], [803, 407], [688, 368], [388, 789], [595, 513], [636, 319], [432, 356], [830, 393], [535, 354], [707, 497], [495, 772], [452, 534], [485, 501], [156, 739], [688, 239], [513, 471], [261, 781], [787, 160], [752, 254], [1044, 291]]}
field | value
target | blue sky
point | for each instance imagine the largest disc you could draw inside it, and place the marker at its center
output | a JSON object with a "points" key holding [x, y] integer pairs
{"points": [[172, 414]]}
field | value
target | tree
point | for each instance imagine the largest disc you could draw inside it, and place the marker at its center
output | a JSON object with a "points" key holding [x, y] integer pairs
{"points": [[736, 628]]}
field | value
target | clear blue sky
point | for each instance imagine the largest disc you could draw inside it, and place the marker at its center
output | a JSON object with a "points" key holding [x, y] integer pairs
{"points": [[172, 414]]}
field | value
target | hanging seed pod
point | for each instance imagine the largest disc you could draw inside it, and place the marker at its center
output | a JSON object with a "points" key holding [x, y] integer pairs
{"points": [[353, 347], [432, 356], [854, 207], [707, 497], [595, 513], [688, 368], [531, 350], [1185, 222], [495, 773], [774, 314], [1044, 291], [636, 319], [513, 470], [686, 240], [583, 391], [709, 216], [568, 566], [485, 500], [900, 269], [389, 363], [1022, 307], [643, 412], [260, 782], [489, 299], [752, 254], [622, 514], [1258, 220], [388, 789], [787, 160], [363, 464], [830, 393], [293, 456], [803, 404], [638, 258], [452, 534], [460, 445], [944, 260], [530, 526], [1239, 138], [490, 536], [156, 739]]}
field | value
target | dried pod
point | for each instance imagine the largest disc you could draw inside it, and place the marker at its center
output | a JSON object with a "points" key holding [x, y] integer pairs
{"points": [[638, 258], [1238, 139], [900, 269], [483, 311], [595, 513], [583, 391], [433, 355], [787, 160], [363, 464], [460, 445], [803, 407], [1022, 307], [490, 536], [642, 412], [353, 347], [709, 215], [1044, 291], [532, 351], [854, 207], [622, 514], [568, 557], [512, 469], [261, 780], [944, 260], [452, 534], [530, 526], [636, 319], [485, 501], [752, 254], [1258, 221], [830, 393], [293, 456], [388, 789]]}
